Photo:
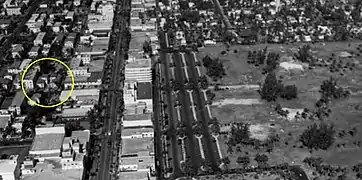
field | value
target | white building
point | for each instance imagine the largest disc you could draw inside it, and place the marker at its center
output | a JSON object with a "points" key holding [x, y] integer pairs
{"points": [[47, 142], [9, 168], [138, 70], [38, 41]]}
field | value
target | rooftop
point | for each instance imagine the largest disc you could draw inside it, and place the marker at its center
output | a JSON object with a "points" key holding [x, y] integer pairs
{"points": [[144, 90], [8, 166], [96, 65], [18, 99], [52, 170], [47, 142], [82, 136], [129, 132], [141, 146], [79, 92], [4, 120], [139, 63], [137, 117]]}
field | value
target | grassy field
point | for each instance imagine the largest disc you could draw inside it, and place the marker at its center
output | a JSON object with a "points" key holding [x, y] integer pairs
{"points": [[346, 113]]}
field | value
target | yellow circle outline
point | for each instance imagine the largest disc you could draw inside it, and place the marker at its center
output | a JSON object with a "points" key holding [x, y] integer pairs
{"points": [[44, 59]]}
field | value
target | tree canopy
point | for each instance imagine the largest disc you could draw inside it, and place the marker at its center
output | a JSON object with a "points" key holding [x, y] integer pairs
{"points": [[318, 137]]}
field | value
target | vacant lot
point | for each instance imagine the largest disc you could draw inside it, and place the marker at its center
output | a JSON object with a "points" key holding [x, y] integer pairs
{"points": [[346, 113]]}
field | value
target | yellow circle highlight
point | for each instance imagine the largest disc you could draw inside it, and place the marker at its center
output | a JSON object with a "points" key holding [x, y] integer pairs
{"points": [[45, 59]]}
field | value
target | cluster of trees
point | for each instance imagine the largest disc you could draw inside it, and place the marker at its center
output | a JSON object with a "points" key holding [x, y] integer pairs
{"points": [[358, 170], [330, 90], [210, 96], [273, 88], [72, 126], [215, 68], [305, 56], [325, 169], [318, 136], [262, 57]]}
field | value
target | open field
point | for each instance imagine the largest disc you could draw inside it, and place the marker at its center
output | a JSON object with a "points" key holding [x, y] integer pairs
{"points": [[346, 113]]}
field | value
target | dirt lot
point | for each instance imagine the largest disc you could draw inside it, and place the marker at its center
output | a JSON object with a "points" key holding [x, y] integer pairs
{"points": [[345, 114]]}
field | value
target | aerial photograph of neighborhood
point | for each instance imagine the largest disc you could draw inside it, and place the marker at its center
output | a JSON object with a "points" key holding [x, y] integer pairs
{"points": [[180, 89]]}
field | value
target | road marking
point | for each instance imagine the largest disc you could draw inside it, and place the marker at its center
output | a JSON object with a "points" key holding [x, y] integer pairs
{"points": [[178, 113], [192, 104], [201, 147], [198, 71], [218, 145]]}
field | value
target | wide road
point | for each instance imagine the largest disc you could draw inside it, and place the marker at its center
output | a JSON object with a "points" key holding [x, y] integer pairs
{"points": [[157, 119], [172, 121], [202, 112], [114, 95], [186, 113]]}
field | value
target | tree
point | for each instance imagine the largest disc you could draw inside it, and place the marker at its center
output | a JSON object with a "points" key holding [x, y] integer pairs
{"points": [[197, 129], [216, 70], [175, 85], [239, 134], [207, 60], [204, 83], [188, 168], [191, 85], [289, 92], [304, 55], [243, 160], [72, 126], [225, 160], [271, 88], [272, 62], [210, 95], [261, 158], [318, 137], [147, 48], [329, 89]]}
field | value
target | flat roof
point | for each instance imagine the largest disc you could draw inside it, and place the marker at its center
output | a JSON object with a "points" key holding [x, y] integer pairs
{"points": [[82, 136], [137, 145], [18, 99], [79, 92], [74, 63], [138, 38], [96, 65], [52, 170], [7, 166], [130, 131], [7, 102], [47, 142], [144, 90], [15, 65], [139, 63], [137, 117]]}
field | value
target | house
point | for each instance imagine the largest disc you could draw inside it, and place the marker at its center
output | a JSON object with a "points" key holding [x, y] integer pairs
{"points": [[10, 168], [5, 119], [34, 51], [17, 103], [39, 39], [70, 15], [76, 3], [70, 40], [56, 27], [16, 51], [13, 7], [31, 77], [14, 68]]}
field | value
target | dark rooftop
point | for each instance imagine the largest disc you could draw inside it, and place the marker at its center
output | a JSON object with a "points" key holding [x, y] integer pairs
{"points": [[144, 90]]}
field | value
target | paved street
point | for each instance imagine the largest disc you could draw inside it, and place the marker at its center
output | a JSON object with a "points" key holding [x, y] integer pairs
{"points": [[114, 95]]}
